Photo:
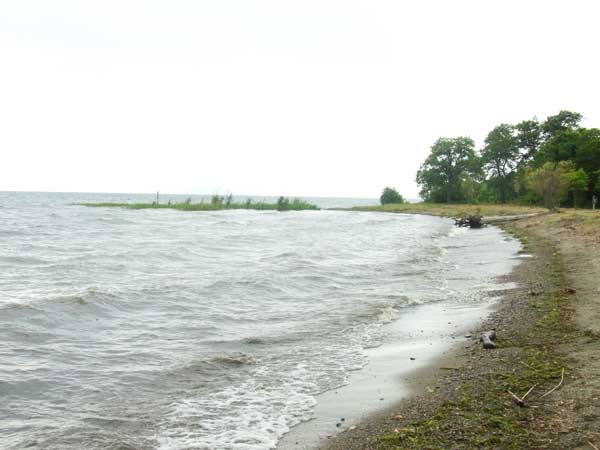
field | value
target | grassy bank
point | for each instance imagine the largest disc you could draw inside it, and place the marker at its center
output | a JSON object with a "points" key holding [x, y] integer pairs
{"points": [[453, 210], [283, 204]]}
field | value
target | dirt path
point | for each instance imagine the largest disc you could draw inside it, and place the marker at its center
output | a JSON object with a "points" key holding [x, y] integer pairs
{"points": [[549, 323]]}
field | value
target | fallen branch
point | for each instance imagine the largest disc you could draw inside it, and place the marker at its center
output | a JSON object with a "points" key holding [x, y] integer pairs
{"points": [[517, 399], [521, 400], [593, 446], [487, 338], [472, 221], [562, 377]]}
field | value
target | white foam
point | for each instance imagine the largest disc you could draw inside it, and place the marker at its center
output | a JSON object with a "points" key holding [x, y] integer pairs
{"points": [[251, 416]]}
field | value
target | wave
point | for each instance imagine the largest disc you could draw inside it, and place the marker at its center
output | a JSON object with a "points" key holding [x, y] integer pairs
{"points": [[24, 260], [235, 360]]}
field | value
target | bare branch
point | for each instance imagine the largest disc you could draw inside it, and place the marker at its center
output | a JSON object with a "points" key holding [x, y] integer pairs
{"points": [[562, 377]]}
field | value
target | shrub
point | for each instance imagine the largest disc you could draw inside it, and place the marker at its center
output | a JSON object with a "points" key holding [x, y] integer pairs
{"points": [[390, 195]]}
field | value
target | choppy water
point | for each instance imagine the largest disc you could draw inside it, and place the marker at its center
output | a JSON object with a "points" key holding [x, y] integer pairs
{"points": [[161, 329]]}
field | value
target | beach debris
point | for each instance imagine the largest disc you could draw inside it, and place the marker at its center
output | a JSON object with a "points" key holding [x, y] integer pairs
{"points": [[487, 339], [570, 290], [412, 358], [593, 446], [562, 377], [468, 336], [521, 400], [471, 221]]}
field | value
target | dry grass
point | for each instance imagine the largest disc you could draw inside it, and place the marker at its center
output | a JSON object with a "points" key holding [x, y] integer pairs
{"points": [[586, 221], [455, 210]]}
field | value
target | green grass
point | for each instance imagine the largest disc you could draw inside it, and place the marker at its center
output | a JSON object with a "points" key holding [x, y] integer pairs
{"points": [[295, 205], [480, 415]]}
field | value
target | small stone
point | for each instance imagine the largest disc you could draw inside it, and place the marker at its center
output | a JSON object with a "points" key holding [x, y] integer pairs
{"points": [[338, 424], [412, 358], [468, 336]]}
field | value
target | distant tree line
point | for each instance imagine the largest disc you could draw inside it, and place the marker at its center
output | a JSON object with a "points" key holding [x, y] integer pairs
{"points": [[552, 162]]}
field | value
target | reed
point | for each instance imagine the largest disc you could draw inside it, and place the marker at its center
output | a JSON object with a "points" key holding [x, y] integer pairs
{"points": [[217, 203]]}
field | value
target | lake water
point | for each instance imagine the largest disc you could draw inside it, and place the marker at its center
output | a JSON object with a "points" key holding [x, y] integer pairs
{"points": [[162, 329]]}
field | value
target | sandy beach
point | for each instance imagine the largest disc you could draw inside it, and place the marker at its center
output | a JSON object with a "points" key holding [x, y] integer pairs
{"points": [[426, 340], [547, 326]]}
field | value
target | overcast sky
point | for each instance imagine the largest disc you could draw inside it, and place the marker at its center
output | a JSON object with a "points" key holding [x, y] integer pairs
{"points": [[308, 98]]}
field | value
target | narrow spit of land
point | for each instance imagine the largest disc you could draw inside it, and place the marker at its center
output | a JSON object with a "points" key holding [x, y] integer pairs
{"points": [[548, 346], [283, 204]]}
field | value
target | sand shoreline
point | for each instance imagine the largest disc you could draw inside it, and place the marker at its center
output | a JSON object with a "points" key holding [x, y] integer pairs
{"points": [[433, 337], [396, 370], [468, 406]]}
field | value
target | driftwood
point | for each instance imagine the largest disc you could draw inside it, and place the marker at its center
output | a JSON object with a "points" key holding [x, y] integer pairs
{"points": [[473, 221], [562, 378], [487, 339], [521, 400]]}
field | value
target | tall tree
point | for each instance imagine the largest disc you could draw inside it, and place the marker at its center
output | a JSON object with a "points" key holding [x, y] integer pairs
{"points": [[578, 182], [529, 139], [564, 120], [450, 162], [500, 157], [550, 182], [582, 146]]}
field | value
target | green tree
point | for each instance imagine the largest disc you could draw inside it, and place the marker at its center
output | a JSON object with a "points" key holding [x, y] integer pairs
{"points": [[550, 182], [500, 157], [390, 195], [578, 182], [580, 146], [529, 139], [564, 120], [470, 189], [441, 174]]}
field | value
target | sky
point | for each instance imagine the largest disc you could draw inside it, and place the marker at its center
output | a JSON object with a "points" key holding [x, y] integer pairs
{"points": [[275, 97]]}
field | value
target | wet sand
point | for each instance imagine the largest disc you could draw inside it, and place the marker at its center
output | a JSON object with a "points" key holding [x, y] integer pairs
{"points": [[546, 324], [422, 342]]}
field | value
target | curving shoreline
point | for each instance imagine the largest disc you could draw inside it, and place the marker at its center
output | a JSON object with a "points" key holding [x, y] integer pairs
{"points": [[544, 325]]}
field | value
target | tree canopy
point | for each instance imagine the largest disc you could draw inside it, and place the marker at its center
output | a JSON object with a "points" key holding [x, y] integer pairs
{"points": [[451, 162], [513, 163], [500, 157]]}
